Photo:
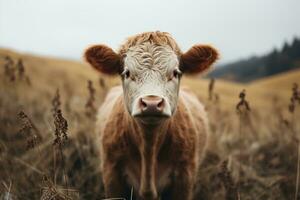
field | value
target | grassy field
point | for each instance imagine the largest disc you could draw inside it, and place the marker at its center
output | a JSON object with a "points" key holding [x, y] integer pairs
{"points": [[253, 152]]}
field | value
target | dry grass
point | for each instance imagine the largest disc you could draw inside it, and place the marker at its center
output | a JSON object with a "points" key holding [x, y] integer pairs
{"points": [[260, 148]]}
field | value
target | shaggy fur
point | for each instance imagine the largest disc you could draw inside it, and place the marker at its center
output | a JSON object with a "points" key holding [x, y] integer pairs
{"points": [[159, 38], [154, 161]]}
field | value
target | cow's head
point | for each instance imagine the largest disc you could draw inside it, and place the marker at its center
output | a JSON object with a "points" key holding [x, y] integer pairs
{"points": [[150, 65]]}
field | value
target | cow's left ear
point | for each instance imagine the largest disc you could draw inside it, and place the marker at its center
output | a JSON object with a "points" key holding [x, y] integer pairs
{"points": [[198, 59]]}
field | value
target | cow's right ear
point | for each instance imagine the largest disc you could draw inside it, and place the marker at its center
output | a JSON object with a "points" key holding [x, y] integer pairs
{"points": [[104, 59]]}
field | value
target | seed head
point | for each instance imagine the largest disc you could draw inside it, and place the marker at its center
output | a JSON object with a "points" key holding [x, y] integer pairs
{"points": [[243, 105], [294, 98], [60, 123], [29, 130]]}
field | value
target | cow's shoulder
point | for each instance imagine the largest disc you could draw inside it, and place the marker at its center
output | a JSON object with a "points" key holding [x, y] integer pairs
{"points": [[189, 126], [107, 107], [111, 123], [194, 107], [191, 102]]}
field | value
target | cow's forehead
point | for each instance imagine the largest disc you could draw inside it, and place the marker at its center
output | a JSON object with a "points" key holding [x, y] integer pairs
{"points": [[151, 56]]}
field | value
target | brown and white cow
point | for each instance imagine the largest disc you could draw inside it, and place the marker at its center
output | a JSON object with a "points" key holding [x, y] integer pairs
{"points": [[153, 135]]}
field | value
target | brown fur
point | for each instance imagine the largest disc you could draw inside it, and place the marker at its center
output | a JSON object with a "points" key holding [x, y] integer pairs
{"points": [[151, 159], [157, 37], [160, 160]]}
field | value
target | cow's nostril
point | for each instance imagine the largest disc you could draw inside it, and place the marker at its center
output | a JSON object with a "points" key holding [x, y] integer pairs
{"points": [[160, 104], [143, 104]]}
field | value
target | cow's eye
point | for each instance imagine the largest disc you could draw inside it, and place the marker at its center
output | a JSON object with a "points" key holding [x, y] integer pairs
{"points": [[126, 73], [177, 73]]}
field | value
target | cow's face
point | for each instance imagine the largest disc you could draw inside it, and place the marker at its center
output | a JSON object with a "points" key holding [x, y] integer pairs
{"points": [[150, 78], [151, 75]]}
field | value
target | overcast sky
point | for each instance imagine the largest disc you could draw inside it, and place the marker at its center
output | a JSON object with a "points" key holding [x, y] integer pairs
{"points": [[64, 28]]}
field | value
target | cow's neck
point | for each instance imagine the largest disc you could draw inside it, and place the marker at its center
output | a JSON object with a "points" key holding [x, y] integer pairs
{"points": [[152, 137]]}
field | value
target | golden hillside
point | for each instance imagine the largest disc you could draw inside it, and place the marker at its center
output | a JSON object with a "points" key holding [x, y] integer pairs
{"points": [[50, 73], [280, 82]]}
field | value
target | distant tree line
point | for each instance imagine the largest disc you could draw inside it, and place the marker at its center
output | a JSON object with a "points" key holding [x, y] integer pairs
{"points": [[255, 67]]}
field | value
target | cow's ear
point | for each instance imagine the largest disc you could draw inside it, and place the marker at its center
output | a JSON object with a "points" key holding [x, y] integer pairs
{"points": [[198, 58], [104, 59]]}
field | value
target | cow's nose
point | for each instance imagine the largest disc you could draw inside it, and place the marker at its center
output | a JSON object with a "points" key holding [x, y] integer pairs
{"points": [[152, 104]]}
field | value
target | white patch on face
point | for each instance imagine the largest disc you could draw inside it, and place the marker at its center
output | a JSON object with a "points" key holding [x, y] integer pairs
{"points": [[151, 72]]}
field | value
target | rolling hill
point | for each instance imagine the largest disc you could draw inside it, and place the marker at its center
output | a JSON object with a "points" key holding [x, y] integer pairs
{"points": [[257, 67], [48, 74]]}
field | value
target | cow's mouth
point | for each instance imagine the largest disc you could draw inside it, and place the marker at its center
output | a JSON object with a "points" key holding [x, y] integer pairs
{"points": [[151, 118]]}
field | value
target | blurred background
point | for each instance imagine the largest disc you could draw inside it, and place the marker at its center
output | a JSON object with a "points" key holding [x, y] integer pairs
{"points": [[64, 28], [49, 96]]}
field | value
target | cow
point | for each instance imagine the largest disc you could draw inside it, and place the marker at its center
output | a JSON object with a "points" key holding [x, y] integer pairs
{"points": [[152, 133]]}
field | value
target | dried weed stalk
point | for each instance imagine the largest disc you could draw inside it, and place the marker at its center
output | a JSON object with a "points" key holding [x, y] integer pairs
{"points": [[60, 133], [51, 192], [60, 123], [104, 88], [13, 71], [243, 110], [9, 69], [212, 96], [56, 102], [243, 106], [102, 83], [90, 104], [231, 189], [29, 130], [298, 171], [211, 89], [295, 98], [21, 72], [61, 128], [21, 69], [7, 195], [33, 138]]}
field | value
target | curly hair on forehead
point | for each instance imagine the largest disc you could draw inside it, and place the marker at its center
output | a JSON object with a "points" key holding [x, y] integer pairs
{"points": [[157, 37]]}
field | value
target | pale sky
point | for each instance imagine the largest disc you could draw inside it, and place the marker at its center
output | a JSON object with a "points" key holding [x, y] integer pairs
{"points": [[64, 28]]}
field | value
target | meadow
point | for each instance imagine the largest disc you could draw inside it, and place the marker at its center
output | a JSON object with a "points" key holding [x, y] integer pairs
{"points": [[47, 149]]}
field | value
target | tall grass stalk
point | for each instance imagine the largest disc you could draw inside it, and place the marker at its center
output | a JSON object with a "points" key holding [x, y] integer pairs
{"points": [[295, 98], [243, 109], [298, 171]]}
